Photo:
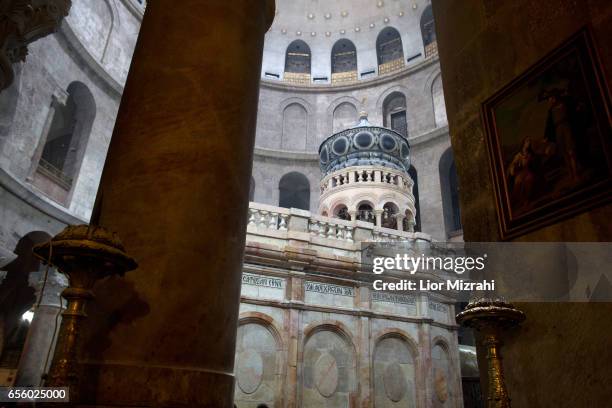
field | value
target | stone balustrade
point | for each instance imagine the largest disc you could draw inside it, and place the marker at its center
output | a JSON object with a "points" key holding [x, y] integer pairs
{"points": [[364, 176], [330, 229], [268, 218], [291, 223]]}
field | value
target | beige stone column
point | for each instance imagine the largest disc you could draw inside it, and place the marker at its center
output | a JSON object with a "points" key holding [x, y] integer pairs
{"points": [[42, 335], [378, 214], [175, 188], [399, 222]]}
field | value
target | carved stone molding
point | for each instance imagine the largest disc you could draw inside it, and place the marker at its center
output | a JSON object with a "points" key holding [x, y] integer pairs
{"points": [[21, 23]]}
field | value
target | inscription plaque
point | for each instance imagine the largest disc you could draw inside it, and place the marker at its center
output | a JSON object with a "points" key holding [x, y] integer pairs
{"points": [[393, 298], [258, 280], [328, 288]]}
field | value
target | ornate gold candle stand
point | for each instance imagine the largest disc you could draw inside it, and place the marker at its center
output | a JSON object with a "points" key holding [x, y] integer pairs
{"points": [[85, 254], [491, 317]]}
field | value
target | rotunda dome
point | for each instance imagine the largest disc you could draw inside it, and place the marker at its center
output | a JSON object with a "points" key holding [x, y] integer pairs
{"points": [[343, 41]]}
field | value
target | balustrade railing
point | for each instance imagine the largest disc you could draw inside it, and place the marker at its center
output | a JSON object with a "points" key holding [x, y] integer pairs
{"points": [[431, 49], [276, 222], [353, 176], [267, 219], [389, 235], [55, 174], [391, 66], [344, 77], [330, 229], [297, 78]]}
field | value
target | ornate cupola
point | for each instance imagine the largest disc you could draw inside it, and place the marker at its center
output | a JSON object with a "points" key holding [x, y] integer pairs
{"points": [[365, 176]]}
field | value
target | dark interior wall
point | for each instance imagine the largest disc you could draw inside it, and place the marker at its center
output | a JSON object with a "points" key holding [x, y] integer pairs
{"points": [[561, 356]]}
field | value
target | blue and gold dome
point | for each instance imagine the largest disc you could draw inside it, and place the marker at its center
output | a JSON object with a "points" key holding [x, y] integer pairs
{"points": [[364, 145]]}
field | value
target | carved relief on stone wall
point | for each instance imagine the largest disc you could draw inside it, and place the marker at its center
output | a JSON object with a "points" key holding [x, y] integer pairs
{"points": [[394, 373], [257, 364], [325, 375], [329, 369]]}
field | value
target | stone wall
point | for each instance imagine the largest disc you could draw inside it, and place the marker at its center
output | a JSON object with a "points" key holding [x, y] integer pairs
{"points": [[93, 48], [555, 359], [416, 83]]}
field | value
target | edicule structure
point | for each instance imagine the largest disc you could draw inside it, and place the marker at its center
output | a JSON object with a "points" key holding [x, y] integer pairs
{"points": [[312, 330], [366, 177]]}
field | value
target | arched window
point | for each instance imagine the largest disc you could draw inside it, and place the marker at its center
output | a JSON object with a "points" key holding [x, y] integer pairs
{"points": [[412, 172], [295, 128], [95, 35], [437, 96], [342, 212], [450, 193], [344, 61], [454, 192], [294, 190], [394, 113], [297, 63], [252, 189], [345, 116], [428, 32], [389, 216], [365, 212], [389, 51], [65, 143]]}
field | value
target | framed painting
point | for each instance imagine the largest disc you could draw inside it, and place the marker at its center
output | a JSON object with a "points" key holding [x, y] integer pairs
{"points": [[549, 139]]}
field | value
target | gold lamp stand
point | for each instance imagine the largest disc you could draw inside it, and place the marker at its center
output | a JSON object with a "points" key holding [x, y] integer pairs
{"points": [[85, 254], [491, 317]]}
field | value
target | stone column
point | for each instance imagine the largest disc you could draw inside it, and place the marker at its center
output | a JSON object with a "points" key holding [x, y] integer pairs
{"points": [[399, 222], [175, 188], [378, 214], [42, 335]]}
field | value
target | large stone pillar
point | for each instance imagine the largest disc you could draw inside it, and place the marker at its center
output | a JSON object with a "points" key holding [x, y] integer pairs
{"points": [[175, 188]]}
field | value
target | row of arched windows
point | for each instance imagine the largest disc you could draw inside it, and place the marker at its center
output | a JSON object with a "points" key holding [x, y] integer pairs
{"points": [[389, 53], [295, 119], [294, 192]]}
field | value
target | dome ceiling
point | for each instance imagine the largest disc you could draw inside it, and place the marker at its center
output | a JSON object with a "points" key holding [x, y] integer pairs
{"points": [[329, 18]]}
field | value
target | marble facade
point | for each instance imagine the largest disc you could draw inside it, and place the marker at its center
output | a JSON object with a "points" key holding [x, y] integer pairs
{"points": [[313, 333]]}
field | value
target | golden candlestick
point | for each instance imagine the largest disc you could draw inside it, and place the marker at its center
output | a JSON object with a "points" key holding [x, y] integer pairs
{"points": [[491, 317], [85, 254]]}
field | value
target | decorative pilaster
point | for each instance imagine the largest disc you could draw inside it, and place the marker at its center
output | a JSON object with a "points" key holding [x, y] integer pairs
{"points": [[21, 23]]}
